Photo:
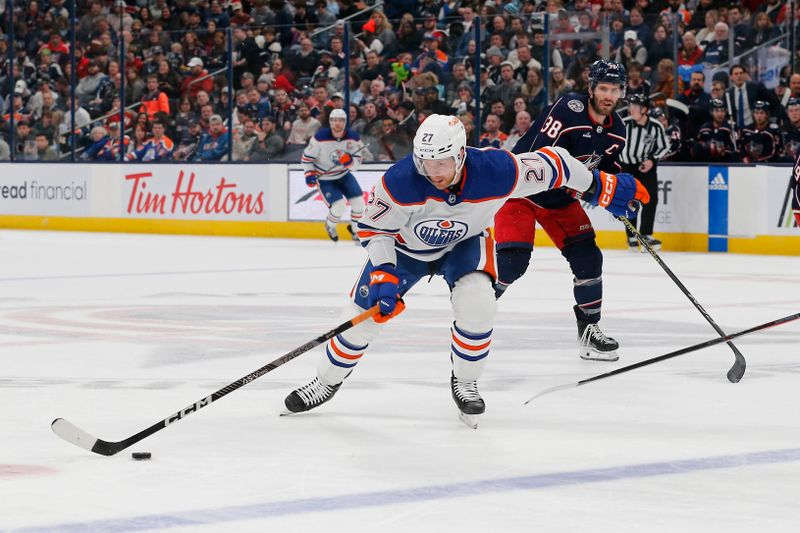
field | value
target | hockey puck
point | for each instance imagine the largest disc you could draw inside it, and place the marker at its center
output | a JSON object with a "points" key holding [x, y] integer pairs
{"points": [[141, 456]]}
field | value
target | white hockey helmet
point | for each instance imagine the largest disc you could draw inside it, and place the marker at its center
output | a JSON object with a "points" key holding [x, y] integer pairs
{"points": [[338, 113], [440, 137]]}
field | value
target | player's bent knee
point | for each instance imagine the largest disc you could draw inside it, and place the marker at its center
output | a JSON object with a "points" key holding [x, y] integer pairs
{"points": [[337, 208], [357, 204], [585, 259], [474, 303], [512, 263], [360, 334]]}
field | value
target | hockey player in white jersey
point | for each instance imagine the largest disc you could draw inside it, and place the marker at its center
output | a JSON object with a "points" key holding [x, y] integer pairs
{"points": [[329, 160], [428, 216]]}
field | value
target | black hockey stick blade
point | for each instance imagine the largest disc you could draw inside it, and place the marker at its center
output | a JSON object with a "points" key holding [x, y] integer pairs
{"points": [[669, 355], [740, 364], [80, 438]]}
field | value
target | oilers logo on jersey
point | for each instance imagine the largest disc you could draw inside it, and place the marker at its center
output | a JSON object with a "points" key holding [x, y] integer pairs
{"points": [[440, 232], [337, 154]]}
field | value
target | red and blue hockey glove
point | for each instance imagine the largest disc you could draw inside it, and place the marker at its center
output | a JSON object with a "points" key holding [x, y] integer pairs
{"points": [[311, 179], [620, 193], [383, 282]]}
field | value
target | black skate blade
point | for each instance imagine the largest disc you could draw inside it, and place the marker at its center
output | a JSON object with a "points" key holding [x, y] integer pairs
{"points": [[471, 421]]}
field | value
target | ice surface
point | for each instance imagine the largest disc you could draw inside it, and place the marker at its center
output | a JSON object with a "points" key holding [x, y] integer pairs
{"points": [[115, 332]]}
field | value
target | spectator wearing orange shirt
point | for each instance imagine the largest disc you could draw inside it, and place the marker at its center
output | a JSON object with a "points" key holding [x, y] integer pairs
{"points": [[154, 99]]}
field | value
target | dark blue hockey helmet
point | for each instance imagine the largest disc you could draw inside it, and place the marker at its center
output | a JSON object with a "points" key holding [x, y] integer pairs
{"points": [[792, 101], [639, 99], [603, 71], [657, 112], [716, 103], [761, 105]]}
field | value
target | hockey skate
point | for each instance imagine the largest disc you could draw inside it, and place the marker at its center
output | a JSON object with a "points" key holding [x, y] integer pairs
{"points": [[468, 399], [309, 396], [353, 235], [633, 244], [593, 345], [655, 244], [331, 229]]}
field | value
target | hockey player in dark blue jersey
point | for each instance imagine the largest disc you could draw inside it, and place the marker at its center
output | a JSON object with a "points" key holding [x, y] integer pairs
{"points": [[589, 128], [796, 190], [716, 139], [790, 132], [761, 141]]}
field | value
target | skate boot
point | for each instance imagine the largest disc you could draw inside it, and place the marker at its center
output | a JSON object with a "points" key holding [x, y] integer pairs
{"points": [[331, 229], [633, 244], [353, 235], [310, 396], [468, 399], [655, 244], [593, 345]]}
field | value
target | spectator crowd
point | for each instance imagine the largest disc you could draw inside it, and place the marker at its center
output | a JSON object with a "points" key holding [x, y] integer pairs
{"points": [[199, 80]]}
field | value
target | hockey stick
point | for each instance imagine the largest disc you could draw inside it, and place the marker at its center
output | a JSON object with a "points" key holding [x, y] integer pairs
{"points": [[737, 370], [73, 434], [669, 355]]}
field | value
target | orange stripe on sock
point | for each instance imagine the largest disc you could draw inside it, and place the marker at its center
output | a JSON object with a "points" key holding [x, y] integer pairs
{"points": [[470, 347], [343, 355]]}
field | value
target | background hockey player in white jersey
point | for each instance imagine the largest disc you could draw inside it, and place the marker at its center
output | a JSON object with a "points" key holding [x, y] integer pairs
{"points": [[428, 215], [329, 161]]}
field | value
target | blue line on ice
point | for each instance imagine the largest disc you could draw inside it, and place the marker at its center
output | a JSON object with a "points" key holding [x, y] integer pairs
{"points": [[425, 493]]}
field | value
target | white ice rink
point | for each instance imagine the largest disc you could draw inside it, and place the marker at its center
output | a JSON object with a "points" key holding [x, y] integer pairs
{"points": [[115, 332]]}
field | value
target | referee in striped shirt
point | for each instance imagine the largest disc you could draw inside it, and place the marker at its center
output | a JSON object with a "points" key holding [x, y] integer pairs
{"points": [[646, 143]]}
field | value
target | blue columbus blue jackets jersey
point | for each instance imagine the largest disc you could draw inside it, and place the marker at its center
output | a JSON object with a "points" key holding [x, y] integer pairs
{"points": [[796, 190], [567, 124], [407, 214]]}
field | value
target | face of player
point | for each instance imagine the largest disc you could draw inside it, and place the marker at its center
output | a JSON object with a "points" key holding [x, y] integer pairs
{"points": [[718, 114], [441, 172], [337, 125], [794, 113], [760, 116], [605, 97], [637, 112]]}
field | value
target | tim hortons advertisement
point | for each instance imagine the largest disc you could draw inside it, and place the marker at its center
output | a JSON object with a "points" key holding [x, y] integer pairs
{"points": [[32, 189], [219, 192], [306, 203]]}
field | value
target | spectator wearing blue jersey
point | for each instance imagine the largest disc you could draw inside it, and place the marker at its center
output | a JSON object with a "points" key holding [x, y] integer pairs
{"points": [[213, 144]]}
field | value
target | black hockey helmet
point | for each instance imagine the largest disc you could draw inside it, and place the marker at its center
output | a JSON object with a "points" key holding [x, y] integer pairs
{"points": [[716, 103], [792, 101], [639, 99], [657, 112], [761, 105], [603, 71]]}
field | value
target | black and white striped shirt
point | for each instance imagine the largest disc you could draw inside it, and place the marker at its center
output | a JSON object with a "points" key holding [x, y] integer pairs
{"points": [[644, 142]]}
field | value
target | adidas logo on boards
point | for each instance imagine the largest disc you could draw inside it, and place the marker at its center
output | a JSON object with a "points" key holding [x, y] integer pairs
{"points": [[718, 183]]}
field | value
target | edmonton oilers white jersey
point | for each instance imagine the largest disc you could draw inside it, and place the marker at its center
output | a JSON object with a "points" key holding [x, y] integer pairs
{"points": [[407, 214], [324, 152]]}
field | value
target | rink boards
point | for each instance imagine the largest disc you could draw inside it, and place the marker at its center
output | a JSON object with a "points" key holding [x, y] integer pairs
{"points": [[743, 209]]}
